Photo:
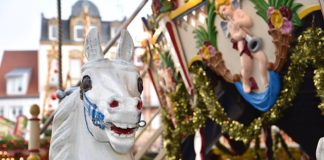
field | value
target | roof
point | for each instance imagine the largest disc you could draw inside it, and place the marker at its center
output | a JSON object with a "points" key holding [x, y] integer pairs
{"points": [[77, 8], [14, 62], [104, 33], [18, 72]]}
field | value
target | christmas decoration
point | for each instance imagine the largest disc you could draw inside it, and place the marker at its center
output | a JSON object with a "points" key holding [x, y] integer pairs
{"points": [[190, 116]]}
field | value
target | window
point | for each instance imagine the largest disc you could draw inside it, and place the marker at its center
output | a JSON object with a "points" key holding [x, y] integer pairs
{"points": [[113, 32], [1, 111], [17, 81], [79, 29], [53, 32], [78, 32], [16, 111], [15, 85], [20, 111]]}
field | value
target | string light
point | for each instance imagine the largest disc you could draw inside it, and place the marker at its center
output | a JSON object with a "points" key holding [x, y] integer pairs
{"points": [[201, 17], [185, 18], [193, 22], [193, 13]]}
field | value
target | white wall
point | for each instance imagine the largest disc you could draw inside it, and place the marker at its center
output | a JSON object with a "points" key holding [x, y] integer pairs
{"points": [[25, 103]]}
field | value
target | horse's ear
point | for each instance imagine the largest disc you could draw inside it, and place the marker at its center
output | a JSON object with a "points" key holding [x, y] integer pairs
{"points": [[125, 47], [92, 45]]}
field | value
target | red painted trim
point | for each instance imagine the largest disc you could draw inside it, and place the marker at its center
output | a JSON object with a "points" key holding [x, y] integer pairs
{"points": [[176, 47], [33, 150], [34, 119]]}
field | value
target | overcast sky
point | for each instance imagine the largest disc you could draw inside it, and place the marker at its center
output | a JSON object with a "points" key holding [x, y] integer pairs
{"points": [[20, 19]]}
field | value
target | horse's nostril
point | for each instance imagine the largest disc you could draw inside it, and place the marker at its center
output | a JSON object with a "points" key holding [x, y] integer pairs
{"points": [[114, 104], [139, 105]]}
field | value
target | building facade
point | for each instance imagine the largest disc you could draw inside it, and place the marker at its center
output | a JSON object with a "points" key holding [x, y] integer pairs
{"points": [[18, 83], [43, 75], [84, 16]]}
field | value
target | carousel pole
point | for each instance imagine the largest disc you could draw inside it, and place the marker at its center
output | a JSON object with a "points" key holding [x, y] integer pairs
{"points": [[34, 137], [59, 44], [50, 119]]}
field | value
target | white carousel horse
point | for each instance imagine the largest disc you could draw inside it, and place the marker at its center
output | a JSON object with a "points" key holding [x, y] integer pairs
{"points": [[320, 149], [99, 120]]}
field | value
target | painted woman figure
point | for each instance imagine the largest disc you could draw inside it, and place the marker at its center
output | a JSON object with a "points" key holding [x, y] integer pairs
{"points": [[237, 25]]}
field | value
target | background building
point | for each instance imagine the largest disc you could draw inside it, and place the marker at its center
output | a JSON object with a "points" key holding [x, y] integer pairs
{"points": [[38, 70], [18, 83], [84, 16]]}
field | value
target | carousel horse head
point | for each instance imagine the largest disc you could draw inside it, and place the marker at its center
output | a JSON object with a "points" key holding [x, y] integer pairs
{"points": [[110, 91], [100, 119]]}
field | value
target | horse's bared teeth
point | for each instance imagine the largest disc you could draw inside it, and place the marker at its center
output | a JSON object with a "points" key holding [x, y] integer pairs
{"points": [[121, 125], [131, 126], [121, 130]]}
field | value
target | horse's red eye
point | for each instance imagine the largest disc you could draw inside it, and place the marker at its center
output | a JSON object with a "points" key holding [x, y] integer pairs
{"points": [[113, 104], [139, 105]]}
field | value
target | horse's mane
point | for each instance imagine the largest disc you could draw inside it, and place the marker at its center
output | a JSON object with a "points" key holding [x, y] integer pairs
{"points": [[63, 126]]}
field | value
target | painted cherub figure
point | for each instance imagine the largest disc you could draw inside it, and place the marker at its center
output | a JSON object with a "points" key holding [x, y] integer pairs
{"points": [[237, 25]]}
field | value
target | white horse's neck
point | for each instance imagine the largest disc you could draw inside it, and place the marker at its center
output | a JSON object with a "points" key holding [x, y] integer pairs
{"points": [[74, 141]]}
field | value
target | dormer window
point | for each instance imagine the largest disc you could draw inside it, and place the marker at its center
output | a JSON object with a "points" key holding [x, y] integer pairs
{"points": [[113, 32], [17, 81], [15, 85], [53, 32], [78, 32]]}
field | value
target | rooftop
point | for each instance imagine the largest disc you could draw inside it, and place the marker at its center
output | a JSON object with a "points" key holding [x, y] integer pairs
{"points": [[77, 11], [18, 72], [16, 62], [78, 7]]}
